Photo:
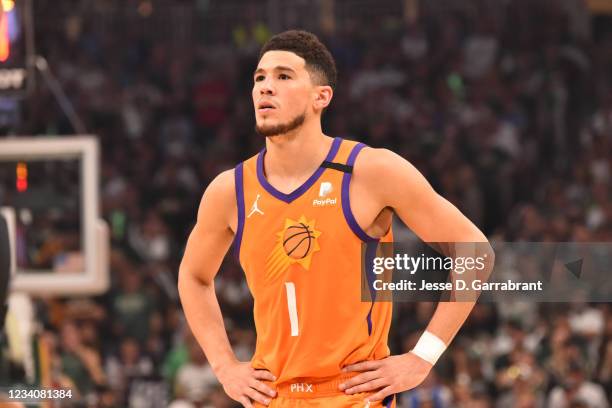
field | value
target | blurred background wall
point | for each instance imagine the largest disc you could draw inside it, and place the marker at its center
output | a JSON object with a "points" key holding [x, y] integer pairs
{"points": [[504, 105]]}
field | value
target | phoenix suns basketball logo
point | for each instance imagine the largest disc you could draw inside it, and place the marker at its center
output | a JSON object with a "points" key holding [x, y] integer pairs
{"points": [[297, 242]]}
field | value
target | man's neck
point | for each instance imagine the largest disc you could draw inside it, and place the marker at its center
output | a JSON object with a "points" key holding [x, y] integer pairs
{"points": [[292, 158]]}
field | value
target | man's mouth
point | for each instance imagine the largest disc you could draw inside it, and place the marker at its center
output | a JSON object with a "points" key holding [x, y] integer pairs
{"points": [[265, 107]]}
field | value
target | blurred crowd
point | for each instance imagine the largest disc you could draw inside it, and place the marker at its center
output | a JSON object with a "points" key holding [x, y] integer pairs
{"points": [[505, 107]]}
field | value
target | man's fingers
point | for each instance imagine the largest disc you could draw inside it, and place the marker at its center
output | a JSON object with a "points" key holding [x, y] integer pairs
{"points": [[369, 386], [264, 375], [359, 379], [261, 387], [363, 366], [257, 396], [380, 395], [246, 403]]}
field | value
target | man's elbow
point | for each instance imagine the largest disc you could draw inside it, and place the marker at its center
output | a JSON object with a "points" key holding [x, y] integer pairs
{"points": [[188, 280]]}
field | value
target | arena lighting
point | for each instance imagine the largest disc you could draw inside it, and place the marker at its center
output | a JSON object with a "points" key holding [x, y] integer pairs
{"points": [[22, 177], [5, 43], [16, 48]]}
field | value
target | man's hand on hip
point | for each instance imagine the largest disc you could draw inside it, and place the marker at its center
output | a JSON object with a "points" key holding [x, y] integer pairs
{"points": [[388, 376], [242, 383]]}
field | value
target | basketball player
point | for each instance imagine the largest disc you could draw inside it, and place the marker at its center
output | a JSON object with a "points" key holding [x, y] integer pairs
{"points": [[298, 213], [5, 262], [5, 273]]}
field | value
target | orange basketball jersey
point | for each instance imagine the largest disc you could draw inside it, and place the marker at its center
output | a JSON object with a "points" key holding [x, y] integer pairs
{"points": [[301, 254]]}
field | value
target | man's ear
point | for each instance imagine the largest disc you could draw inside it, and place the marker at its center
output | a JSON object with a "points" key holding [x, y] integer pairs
{"points": [[323, 97]]}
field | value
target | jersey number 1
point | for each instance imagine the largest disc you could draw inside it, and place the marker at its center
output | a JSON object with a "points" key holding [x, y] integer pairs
{"points": [[292, 305]]}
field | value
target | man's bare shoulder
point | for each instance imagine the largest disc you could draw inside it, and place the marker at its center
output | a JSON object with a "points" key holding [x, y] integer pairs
{"points": [[376, 164], [387, 177], [219, 198], [223, 184]]}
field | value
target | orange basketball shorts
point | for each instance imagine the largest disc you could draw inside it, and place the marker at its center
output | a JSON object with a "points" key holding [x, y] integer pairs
{"points": [[306, 394], [338, 401]]}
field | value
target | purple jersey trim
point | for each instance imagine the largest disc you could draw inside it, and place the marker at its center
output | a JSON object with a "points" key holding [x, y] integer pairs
{"points": [[301, 189], [370, 254], [346, 201], [238, 180], [388, 401]]}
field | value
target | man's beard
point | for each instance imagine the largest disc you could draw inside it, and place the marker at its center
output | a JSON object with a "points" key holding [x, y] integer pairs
{"points": [[281, 129]]}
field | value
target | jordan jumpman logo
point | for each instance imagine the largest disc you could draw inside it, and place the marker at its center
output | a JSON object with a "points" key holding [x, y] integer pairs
{"points": [[255, 208]]}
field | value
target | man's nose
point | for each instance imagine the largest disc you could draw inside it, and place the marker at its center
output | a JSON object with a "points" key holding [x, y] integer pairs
{"points": [[266, 88]]}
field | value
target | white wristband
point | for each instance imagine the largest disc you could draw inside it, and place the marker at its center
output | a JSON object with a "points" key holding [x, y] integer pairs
{"points": [[429, 347]]}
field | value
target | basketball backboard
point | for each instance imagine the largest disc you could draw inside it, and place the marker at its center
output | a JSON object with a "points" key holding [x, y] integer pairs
{"points": [[49, 196]]}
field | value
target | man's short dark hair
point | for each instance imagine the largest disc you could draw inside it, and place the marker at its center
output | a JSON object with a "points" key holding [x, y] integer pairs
{"points": [[319, 61]]}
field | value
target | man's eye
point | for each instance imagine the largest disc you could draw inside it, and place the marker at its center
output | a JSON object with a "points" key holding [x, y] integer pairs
{"points": [[259, 78], [284, 76]]}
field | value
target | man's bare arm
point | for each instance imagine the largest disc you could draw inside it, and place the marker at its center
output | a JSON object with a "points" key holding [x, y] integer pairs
{"points": [[207, 245], [392, 182], [430, 216]]}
